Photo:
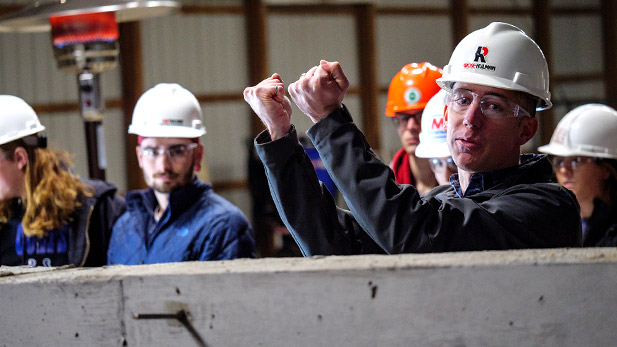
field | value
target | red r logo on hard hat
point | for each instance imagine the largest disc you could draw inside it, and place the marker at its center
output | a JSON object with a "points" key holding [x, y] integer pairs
{"points": [[481, 53]]}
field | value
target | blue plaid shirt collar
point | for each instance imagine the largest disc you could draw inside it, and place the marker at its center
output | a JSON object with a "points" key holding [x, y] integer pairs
{"points": [[481, 181]]}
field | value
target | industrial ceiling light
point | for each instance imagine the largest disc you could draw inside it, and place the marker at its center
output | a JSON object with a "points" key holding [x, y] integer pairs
{"points": [[85, 42]]}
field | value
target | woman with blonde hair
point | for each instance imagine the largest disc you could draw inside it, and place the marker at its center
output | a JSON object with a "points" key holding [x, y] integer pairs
{"points": [[48, 217]]}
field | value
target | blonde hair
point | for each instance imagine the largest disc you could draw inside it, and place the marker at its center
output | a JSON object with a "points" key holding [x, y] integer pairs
{"points": [[52, 192]]}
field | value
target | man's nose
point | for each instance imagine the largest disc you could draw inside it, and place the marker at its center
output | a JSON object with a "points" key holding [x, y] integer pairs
{"points": [[413, 123], [163, 161], [473, 115]]}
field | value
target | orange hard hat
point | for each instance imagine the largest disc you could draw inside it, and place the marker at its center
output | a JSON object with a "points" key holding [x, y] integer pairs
{"points": [[412, 87]]}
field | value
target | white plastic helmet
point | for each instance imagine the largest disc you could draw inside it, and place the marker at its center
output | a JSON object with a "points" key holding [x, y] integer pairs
{"points": [[167, 110], [17, 119], [433, 136], [588, 130], [501, 56]]}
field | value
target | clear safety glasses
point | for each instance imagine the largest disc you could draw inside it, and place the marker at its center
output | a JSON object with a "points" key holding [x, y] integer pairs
{"points": [[492, 106], [402, 119], [571, 163], [174, 152], [441, 163]]}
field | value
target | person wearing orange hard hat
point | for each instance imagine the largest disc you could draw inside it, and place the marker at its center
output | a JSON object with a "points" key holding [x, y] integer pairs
{"points": [[409, 92]]}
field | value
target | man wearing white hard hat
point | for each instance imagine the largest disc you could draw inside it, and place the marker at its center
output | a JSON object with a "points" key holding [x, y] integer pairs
{"points": [[584, 155], [496, 78], [179, 217], [48, 216], [433, 144]]}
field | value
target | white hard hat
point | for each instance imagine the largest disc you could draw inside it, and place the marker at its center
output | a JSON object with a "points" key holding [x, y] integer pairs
{"points": [[433, 136], [501, 56], [167, 110], [17, 119], [589, 130]]}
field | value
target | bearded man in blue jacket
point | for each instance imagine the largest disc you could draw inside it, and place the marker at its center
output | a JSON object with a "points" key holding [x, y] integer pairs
{"points": [[179, 217]]}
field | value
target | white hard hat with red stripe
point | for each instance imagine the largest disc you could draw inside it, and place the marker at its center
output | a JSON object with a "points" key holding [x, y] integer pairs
{"points": [[588, 130], [433, 136], [501, 56], [167, 110]]}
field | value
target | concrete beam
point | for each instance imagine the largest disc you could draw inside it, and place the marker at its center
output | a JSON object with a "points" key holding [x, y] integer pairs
{"points": [[559, 297]]}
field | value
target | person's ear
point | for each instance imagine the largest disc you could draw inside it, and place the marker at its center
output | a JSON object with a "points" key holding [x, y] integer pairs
{"points": [[20, 156], [139, 157], [197, 156], [445, 118], [527, 129]]}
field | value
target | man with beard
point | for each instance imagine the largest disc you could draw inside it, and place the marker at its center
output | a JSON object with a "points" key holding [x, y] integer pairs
{"points": [[179, 217]]}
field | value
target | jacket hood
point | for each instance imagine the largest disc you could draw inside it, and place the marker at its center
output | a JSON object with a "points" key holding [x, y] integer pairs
{"points": [[180, 198], [100, 187]]}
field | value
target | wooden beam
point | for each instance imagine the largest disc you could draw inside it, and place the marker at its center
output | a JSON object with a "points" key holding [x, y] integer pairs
{"points": [[609, 31], [459, 16], [575, 11], [541, 23], [131, 63], [365, 35], [257, 44], [229, 185], [577, 77], [412, 11], [499, 11], [322, 10], [222, 97], [213, 9], [7, 9], [64, 107], [310, 9]]}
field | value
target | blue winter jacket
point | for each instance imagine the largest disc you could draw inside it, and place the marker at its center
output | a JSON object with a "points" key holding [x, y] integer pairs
{"points": [[198, 224]]}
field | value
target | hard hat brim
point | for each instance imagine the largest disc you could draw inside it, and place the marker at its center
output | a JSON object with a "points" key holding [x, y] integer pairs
{"points": [[21, 134], [563, 151], [432, 150], [167, 131]]}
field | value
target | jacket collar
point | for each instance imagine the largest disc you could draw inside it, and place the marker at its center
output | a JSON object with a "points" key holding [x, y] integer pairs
{"points": [[180, 199], [532, 168]]}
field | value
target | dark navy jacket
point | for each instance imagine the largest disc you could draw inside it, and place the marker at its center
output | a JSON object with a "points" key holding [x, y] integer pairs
{"points": [[516, 208], [88, 232], [601, 226], [198, 224]]}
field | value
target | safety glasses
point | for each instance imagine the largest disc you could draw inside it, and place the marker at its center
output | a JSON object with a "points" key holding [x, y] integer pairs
{"points": [[442, 163], [571, 163], [492, 106], [174, 152], [402, 119]]}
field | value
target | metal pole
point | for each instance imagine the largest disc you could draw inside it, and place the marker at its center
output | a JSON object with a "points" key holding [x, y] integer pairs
{"points": [[91, 108]]}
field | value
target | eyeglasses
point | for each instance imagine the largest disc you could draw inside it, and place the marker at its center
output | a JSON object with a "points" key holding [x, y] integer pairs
{"points": [[492, 106], [440, 164], [571, 163], [402, 119], [173, 152]]}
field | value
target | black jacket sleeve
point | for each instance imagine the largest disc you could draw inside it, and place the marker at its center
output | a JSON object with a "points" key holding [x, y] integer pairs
{"points": [[305, 205]]}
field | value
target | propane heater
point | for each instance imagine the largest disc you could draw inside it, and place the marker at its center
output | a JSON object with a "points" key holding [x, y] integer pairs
{"points": [[84, 37]]}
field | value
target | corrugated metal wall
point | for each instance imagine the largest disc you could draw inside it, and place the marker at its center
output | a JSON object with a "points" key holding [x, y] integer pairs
{"points": [[207, 54]]}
